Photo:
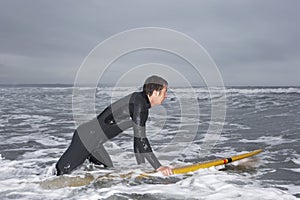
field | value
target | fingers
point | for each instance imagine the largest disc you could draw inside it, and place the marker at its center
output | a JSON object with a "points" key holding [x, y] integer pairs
{"points": [[167, 171]]}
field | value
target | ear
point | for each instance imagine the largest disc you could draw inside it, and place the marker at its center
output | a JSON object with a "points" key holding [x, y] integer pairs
{"points": [[156, 93]]}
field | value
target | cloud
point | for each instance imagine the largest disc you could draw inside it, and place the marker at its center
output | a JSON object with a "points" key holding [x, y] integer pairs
{"points": [[253, 37]]}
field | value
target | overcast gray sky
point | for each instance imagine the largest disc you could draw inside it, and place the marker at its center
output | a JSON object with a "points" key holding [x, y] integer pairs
{"points": [[253, 42]]}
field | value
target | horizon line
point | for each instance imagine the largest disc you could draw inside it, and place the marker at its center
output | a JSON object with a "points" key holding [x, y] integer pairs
{"points": [[112, 85]]}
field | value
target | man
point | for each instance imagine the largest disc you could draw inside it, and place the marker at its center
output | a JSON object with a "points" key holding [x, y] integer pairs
{"points": [[130, 111]]}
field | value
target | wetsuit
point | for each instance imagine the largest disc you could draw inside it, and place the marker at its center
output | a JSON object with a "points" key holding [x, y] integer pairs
{"points": [[88, 138]]}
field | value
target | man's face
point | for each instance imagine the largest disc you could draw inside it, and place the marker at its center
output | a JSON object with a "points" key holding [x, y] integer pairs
{"points": [[159, 97]]}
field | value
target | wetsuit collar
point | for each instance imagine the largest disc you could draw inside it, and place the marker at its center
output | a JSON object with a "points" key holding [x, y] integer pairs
{"points": [[148, 104]]}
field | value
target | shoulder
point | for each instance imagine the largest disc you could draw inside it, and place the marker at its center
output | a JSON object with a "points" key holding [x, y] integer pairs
{"points": [[138, 101], [137, 98]]}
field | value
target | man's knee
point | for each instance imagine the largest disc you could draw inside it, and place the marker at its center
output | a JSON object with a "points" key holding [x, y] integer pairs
{"points": [[60, 170]]}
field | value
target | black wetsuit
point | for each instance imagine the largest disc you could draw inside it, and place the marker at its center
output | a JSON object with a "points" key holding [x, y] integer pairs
{"points": [[88, 138]]}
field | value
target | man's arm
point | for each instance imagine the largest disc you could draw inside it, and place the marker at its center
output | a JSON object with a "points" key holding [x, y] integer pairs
{"points": [[142, 147], [142, 150]]}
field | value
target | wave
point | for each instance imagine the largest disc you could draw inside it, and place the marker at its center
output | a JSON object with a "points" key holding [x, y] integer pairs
{"points": [[203, 93], [279, 90]]}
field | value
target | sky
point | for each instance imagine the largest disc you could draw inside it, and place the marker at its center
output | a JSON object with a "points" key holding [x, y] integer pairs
{"points": [[252, 42]]}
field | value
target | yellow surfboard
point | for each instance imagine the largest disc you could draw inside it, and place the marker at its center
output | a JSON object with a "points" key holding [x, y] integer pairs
{"points": [[207, 164], [76, 181]]}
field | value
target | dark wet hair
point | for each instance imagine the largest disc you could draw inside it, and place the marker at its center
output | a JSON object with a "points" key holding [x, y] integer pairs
{"points": [[154, 83]]}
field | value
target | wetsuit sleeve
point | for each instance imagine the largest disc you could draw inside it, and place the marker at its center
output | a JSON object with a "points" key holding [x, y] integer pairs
{"points": [[142, 148]]}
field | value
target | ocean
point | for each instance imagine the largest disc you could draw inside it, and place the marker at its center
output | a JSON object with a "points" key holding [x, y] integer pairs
{"points": [[37, 123]]}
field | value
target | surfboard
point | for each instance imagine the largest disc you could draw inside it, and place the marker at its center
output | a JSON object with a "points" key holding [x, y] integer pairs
{"points": [[217, 162], [77, 181]]}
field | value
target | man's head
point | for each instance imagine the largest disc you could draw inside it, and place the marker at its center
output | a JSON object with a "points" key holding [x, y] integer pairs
{"points": [[155, 88]]}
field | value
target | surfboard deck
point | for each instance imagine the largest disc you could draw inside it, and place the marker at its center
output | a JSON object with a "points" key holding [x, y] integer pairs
{"points": [[207, 164], [217, 162]]}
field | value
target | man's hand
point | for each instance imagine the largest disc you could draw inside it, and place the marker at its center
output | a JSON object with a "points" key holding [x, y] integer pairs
{"points": [[166, 170]]}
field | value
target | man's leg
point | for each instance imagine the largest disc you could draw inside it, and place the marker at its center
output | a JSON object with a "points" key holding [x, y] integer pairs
{"points": [[100, 156], [73, 157]]}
